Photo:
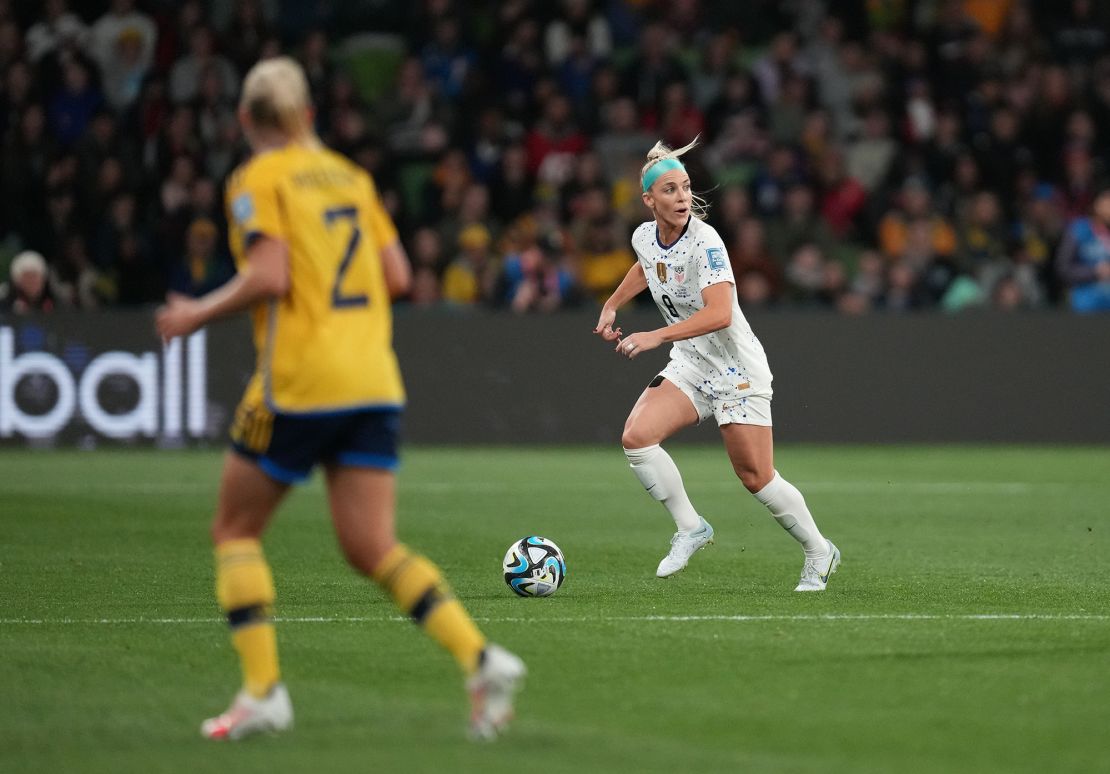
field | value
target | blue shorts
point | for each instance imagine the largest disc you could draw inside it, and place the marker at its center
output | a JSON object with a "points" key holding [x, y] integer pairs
{"points": [[288, 446]]}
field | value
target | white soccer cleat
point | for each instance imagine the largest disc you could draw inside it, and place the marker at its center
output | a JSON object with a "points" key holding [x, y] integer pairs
{"points": [[816, 572], [683, 546], [491, 690], [248, 715]]}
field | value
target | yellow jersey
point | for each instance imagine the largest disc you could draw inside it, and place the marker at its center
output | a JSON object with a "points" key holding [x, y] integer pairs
{"points": [[327, 345]]}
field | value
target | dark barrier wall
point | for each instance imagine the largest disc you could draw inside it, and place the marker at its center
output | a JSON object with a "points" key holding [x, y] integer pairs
{"points": [[1037, 378], [495, 378]]}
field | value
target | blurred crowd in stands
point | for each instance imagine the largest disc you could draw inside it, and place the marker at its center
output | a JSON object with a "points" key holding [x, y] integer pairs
{"points": [[858, 155]]}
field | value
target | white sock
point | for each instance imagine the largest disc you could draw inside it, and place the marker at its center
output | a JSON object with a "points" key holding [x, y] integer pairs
{"points": [[787, 505], [660, 477]]}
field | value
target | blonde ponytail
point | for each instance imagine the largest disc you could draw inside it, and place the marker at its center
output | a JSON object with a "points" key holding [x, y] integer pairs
{"points": [[660, 152], [275, 96]]}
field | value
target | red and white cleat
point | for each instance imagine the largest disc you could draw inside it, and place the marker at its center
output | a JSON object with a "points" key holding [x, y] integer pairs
{"points": [[492, 689], [248, 715]]}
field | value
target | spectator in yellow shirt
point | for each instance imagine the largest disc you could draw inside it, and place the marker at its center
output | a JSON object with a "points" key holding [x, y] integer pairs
{"points": [[604, 259], [471, 277], [916, 212]]}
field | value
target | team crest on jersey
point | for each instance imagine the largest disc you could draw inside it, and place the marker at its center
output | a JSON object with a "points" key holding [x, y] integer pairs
{"points": [[680, 274], [661, 271], [242, 208]]}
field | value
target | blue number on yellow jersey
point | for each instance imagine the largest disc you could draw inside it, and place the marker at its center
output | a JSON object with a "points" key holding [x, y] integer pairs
{"points": [[326, 345]]}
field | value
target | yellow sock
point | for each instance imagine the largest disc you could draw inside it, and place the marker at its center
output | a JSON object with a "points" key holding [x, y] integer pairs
{"points": [[418, 588], [245, 590]]}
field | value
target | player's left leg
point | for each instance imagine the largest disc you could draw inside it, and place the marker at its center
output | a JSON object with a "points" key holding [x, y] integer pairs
{"points": [[362, 504], [751, 451], [245, 590]]}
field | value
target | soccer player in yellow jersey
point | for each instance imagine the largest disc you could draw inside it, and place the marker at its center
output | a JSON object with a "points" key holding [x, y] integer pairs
{"points": [[318, 261]]}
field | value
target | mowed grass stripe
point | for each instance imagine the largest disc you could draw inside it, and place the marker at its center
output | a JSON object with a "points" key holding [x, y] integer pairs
{"points": [[846, 486], [830, 617]]}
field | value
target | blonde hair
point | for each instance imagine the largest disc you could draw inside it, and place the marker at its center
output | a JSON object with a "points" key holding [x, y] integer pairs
{"points": [[275, 96], [698, 206]]}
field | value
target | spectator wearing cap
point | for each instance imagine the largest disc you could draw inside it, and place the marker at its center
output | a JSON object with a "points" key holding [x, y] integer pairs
{"points": [[203, 268], [29, 288], [1083, 260], [471, 278]]}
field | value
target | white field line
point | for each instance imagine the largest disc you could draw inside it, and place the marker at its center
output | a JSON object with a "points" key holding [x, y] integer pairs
{"points": [[1013, 488], [830, 617]]}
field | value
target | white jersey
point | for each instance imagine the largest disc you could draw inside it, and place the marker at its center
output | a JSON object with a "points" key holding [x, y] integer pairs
{"points": [[724, 363]]}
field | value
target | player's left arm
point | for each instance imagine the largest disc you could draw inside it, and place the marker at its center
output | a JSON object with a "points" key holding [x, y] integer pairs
{"points": [[714, 316], [395, 261], [397, 269], [265, 276]]}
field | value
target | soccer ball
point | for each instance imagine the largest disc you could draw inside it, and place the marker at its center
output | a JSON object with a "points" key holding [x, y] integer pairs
{"points": [[534, 567]]}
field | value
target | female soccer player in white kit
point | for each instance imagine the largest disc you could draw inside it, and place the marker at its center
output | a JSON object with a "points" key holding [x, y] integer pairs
{"points": [[718, 369]]}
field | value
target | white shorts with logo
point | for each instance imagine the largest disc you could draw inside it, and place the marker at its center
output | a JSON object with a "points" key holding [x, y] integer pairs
{"points": [[728, 405]]}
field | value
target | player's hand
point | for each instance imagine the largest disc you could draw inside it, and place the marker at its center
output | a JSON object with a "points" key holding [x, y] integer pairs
{"points": [[605, 328], [179, 317], [636, 343], [1102, 270]]}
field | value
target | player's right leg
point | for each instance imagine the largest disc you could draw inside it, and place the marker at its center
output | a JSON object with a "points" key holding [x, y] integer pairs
{"points": [[245, 590], [662, 410], [362, 503]]}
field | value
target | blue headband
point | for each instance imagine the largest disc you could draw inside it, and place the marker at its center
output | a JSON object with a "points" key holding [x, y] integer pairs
{"points": [[659, 168]]}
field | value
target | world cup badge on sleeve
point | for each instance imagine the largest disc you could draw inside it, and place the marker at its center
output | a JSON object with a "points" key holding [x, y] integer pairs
{"points": [[661, 271]]}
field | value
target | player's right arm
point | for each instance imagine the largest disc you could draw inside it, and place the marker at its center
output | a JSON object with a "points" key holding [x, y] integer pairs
{"points": [[255, 210], [632, 285], [265, 276]]}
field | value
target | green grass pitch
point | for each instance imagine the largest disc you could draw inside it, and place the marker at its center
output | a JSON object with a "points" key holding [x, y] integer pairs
{"points": [[968, 629]]}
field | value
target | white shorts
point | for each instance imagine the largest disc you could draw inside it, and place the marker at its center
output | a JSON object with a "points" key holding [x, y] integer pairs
{"points": [[750, 406]]}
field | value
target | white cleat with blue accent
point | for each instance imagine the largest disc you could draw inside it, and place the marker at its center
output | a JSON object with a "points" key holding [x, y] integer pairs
{"points": [[816, 572], [683, 546]]}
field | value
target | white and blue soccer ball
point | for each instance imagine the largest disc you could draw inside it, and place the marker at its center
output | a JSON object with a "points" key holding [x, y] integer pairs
{"points": [[534, 567]]}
